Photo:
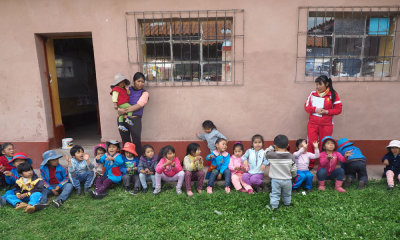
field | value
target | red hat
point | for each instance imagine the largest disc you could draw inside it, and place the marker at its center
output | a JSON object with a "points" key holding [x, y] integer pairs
{"points": [[130, 147]]}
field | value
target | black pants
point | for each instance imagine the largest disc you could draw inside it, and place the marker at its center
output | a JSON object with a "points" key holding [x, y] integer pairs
{"points": [[356, 167], [133, 134]]}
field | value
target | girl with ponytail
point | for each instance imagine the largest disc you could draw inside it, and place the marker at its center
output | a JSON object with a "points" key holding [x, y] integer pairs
{"points": [[321, 105]]}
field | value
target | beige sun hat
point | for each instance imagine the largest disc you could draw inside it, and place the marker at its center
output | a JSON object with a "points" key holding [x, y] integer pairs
{"points": [[393, 143], [119, 77]]}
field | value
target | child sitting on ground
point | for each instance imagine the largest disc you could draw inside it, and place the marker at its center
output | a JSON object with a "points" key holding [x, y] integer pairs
{"points": [[112, 161], [328, 159], [129, 168], [120, 97], [6, 154], [55, 179], [238, 168], [169, 169], [193, 166], [211, 135], [302, 160], [281, 171], [355, 164], [220, 159], [147, 167], [99, 150], [80, 169], [392, 162], [28, 190]]}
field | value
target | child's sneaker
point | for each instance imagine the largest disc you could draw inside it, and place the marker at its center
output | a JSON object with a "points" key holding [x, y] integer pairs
{"points": [[3, 202], [128, 121], [390, 187], [144, 190], [178, 191], [199, 191], [271, 208], [21, 205], [242, 190], [96, 195], [57, 203], [157, 191], [29, 209], [78, 192], [361, 185], [250, 191], [294, 190], [37, 207], [189, 193], [122, 128], [259, 189], [86, 191], [209, 190], [227, 190], [135, 191]]}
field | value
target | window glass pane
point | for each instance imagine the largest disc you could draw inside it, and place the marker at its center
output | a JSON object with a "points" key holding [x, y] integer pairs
{"points": [[320, 25], [220, 29], [346, 67], [186, 51], [185, 29], [376, 66], [318, 66], [212, 72], [212, 51], [157, 51], [187, 72], [348, 46], [349, 25], [157, 71], [155, 30]]}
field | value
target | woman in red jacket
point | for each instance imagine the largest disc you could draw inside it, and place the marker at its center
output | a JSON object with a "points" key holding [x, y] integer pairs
{"points": [[321, 104]]}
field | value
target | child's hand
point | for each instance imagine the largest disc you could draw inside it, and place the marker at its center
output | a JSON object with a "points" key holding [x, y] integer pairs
{"points": [[128, 169], [305, 147], [8, 173], [168, 162], [198, 158], [246, 163], [85, 156], [315, 144], [109, 158], [2, 168], [98, 157], [135, 169], [68, 158], [385, 162], [21, 196], [262, 168], [173, 165], [151, 173], [348, 153], [55, 192], [219, 176]]}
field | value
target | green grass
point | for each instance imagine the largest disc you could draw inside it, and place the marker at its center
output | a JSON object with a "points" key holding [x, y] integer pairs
{"points": [[372, 213]]}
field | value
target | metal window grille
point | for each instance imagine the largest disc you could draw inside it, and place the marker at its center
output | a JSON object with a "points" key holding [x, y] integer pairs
{"points": [[187, 48], [348, 43]]}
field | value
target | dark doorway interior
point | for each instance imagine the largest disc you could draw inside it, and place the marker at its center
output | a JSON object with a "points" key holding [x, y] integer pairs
{"points": [[77, 87]]}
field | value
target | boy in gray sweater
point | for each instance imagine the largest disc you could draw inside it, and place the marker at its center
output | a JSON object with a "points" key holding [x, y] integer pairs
{"points": [[281, 171]]}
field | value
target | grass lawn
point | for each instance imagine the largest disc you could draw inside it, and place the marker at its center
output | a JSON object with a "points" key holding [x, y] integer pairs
{"points": [[372, 213]]}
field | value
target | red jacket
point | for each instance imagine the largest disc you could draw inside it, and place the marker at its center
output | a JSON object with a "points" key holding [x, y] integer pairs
{"points": [[4, 163], [122, 95], [326, 119]]}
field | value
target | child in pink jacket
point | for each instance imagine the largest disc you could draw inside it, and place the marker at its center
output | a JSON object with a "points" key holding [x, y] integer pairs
{"points": [[302, 160], [169, 169], [237, 169]]}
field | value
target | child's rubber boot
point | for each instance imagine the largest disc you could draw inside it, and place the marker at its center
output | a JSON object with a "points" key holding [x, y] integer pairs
{"points": [[321, 185], [348, 182], [338, 186]]}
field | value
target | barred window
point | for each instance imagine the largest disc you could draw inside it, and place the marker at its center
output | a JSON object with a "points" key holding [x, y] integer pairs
{"points": [[187, 48], [350, 44]]}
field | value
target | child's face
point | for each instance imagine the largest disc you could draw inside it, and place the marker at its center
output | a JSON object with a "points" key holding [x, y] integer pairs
{"points": [[302, 144], [53, 163], [207, 130], [329, 145], [100, 152], [112, 149], [27, 174], [79, 155], [149, 153], [221, 146], [238, 152], [198, 152], [128, 154], [8, 151], [170, 155], [395, 150], [19, 161], [121, 84], [257, 144]]}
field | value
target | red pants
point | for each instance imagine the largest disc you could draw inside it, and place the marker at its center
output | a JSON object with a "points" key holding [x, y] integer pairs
{"points": [[317, 133]]}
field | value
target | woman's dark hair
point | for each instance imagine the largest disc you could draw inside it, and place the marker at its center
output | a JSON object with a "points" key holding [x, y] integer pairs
{"points": [[257, 136], [192, 148], [76, 149], [298, 142], [238, 144], [24, 167], [219, 140], [138, 76], [163, 152], [4, 146], [324, 79], [208, 124]]}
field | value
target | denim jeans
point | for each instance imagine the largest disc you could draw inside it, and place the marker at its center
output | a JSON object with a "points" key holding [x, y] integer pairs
{"points": [[214, 174], [145, 177], [31, 200], [86, 177], [338, 173], [280, 187], [65, 192]]}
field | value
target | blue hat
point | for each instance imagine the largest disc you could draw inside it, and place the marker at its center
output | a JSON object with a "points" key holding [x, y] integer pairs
{"points": [[49, 155], [343, 142], [19, 155], [329, 138]]}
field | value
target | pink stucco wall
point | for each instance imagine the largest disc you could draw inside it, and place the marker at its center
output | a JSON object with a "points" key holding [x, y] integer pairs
{"points": [[269, 102]]}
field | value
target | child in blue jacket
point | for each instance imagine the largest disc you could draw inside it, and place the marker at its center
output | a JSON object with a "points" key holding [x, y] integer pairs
{"points": [[55, 179], [112, 161], [355, 164], [220, 159]]}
